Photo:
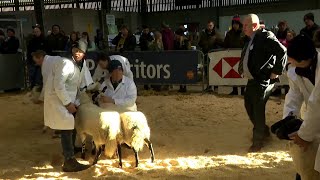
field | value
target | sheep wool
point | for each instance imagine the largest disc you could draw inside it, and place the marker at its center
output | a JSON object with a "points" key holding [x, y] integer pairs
{"points": [[102, 125], [135, 129], [304, 161]]}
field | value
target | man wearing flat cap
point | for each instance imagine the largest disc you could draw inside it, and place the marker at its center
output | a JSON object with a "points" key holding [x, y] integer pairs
{"points": [[60, 102], [118, 90]]}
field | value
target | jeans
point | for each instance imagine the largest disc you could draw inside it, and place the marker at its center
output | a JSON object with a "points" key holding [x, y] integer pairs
{"points": [[255, 98], [68, 138]]}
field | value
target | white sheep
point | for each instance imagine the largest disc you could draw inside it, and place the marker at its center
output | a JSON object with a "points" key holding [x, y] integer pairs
{"points": [[135, 133], [304, 161], [104, 126]]}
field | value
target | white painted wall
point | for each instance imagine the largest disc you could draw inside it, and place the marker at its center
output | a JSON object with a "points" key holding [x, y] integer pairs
{"points": [[294, 19]]}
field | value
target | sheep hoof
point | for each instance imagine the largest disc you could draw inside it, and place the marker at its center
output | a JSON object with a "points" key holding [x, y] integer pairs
{"points": [[120, 165], [94, 162], [83, 156]]}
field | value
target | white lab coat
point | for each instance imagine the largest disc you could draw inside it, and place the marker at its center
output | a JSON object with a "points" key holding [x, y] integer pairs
{"points": [[125, 95], [61, 88], [302, 90], [102, 73], [46, 68]]}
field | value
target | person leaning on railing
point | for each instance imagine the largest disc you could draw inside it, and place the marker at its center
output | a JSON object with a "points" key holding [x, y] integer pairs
{"points": [[181, 42]]}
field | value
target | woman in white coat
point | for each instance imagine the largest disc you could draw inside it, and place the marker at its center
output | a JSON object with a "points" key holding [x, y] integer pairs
{"points": [[61, 90], [120, 92], [103, 63], [304, 82]]}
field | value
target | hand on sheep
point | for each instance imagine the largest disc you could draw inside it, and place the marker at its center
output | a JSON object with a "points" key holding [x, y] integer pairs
{"points": [[106, 99], [298, 141], [71, 108]]}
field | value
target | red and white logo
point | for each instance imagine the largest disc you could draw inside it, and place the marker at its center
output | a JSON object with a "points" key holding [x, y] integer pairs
{"points": [[227, 67]]}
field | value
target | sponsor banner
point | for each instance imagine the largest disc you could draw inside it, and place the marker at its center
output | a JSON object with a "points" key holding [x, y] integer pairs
{"points": [[171, 67]]}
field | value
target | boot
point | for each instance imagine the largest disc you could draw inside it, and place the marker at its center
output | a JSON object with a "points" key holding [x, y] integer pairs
{"points": [[72, 165]]}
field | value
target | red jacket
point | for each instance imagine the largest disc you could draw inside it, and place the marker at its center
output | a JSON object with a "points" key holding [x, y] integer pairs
{"points": [[167, 39]]}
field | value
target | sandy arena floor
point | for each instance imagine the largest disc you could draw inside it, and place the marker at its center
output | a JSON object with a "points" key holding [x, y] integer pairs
{"points": [[194, 136]]}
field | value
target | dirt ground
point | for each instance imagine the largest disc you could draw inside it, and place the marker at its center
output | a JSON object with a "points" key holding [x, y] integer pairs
{"points": [[195, 136]]}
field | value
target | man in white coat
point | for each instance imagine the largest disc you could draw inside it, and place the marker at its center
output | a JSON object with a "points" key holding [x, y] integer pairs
{"points": [[101, 71], [61, 90], [119, 90], [46, 63], [304, 82]]}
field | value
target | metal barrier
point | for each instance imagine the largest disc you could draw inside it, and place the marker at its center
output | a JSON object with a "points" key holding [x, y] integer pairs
{"points": [[12, 71]]}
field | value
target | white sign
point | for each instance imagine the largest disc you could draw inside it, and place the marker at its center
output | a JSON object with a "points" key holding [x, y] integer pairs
{"points": [[223, 69], [111, 20]]}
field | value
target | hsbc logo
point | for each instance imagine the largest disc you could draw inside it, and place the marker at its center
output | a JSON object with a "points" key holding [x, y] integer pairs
{"points": [[227, 67]]}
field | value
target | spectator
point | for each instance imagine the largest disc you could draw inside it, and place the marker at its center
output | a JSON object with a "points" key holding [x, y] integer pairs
{"points": [[234, 37], [156, 44], [167, 37], [209, 39], [282, 32], [36, 43], [74, 38], [56, 41], [290, 35], [316, 39], [261, 73], [145, 38], [91, 45], [125, 41], [181, 43], [11, 44], [2, 39], [98, 40], [311, 26], [262, 24]]}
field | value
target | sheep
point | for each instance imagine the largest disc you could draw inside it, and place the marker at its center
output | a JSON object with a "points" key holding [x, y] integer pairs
{"points": [[304, 161], [135, 133], [104, 127]]}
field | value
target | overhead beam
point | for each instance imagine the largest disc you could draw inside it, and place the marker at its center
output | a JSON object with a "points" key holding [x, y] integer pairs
{"points": [[39, 12]]}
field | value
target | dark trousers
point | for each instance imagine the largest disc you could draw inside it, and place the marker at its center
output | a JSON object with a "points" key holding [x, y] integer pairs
{"points": [[255, 98], [68, 138], [35, 76]]}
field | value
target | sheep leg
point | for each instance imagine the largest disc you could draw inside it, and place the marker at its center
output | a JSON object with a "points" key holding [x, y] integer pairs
{"points": [[83, 150], [94, 148], [120, 155], [136, 157], [97, 156], [149, 144]]}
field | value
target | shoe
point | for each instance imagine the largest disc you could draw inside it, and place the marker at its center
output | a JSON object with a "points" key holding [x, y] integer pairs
{"points": [[72, 165], [255, 147], [208, 89]]}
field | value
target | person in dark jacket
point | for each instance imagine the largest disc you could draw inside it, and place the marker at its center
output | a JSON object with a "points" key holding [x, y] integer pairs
{"points": [[2, 39], [145, 39], [74, 38], [234, 37], [263, 59], [36, 43], [167, 37], [311, 26], [56, 41], [282, 32], [210, 39], [11, 44], [125, 40], [181, 42]]}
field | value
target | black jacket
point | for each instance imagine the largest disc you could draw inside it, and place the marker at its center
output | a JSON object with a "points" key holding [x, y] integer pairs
{"points": [[310, 32], [267, 55], [129, 44], [56, 43], [36, 43], [11, 46], [145, 40]]}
